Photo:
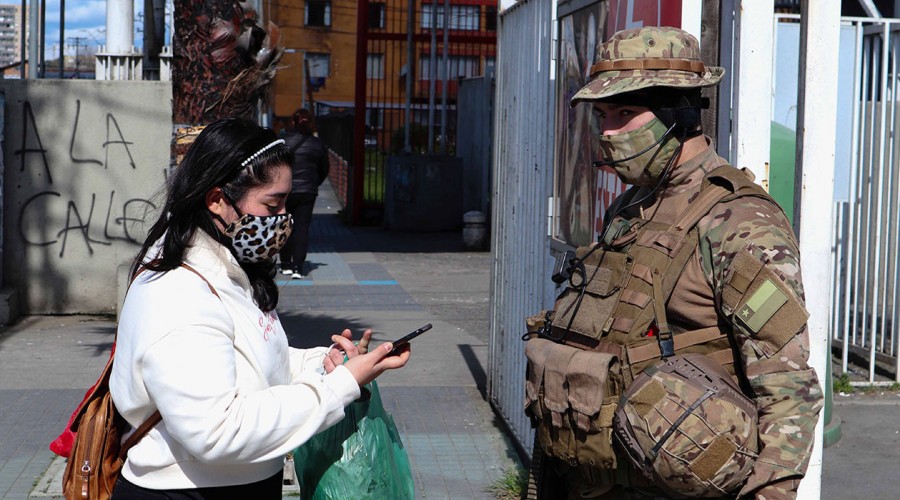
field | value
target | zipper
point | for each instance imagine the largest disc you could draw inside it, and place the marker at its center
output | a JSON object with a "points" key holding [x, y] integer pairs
{"points": [[85, 473], [86, 466]]}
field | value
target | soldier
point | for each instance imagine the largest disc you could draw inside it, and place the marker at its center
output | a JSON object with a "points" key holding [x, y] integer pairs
{"points": [[675, 360]]}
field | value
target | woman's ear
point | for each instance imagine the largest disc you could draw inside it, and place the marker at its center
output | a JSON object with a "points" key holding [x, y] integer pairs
{"points": [[215, 201]]}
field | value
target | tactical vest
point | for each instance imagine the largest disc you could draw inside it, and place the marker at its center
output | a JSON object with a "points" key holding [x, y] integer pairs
{"points": [[609, 324]]}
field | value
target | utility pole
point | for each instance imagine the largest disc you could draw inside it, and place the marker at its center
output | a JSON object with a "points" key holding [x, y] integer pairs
{"points": [[78, 40]]}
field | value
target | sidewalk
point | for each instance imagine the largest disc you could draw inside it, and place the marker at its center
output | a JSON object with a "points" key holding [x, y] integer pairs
{"points": [[393, 283], [357, 278]]}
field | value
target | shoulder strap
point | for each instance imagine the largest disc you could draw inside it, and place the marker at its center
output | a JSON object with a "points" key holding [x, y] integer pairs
{"points": [[723, 182], [300, 143], [191, 269], [709, 197], [682, 230], [139, 434], [154, 418]]}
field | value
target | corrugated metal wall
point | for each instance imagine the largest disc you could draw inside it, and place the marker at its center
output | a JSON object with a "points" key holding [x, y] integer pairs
{"points": [[474, 139], [523, 159]]}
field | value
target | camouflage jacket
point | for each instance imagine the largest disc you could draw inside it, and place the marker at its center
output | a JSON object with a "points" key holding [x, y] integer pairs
{"points": [[786, 390]]}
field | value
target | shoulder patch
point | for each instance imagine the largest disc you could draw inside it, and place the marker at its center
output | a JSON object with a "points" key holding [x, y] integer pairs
{"points": [[761, 306]]}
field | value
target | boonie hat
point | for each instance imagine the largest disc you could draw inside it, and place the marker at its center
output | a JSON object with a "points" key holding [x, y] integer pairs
{"points": [[646, 57]]}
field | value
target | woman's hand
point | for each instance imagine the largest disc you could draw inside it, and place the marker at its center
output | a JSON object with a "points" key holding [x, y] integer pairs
{"points": [[335, 356], [363, 345], [365, 367]]}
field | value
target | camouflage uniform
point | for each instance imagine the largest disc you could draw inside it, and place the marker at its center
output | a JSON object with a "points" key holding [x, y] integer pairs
{"points": [[785, 389], [773, 370]]}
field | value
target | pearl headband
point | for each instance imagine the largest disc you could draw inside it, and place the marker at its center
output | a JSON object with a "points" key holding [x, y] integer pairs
{"points": [[261, 151]]}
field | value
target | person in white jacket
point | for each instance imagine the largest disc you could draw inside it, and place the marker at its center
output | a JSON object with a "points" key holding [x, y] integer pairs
{"points": [[199, 339]]}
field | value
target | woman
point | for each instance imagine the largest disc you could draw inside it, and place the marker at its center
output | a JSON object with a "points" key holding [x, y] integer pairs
{"points": [[199, 339], [309, 169]]}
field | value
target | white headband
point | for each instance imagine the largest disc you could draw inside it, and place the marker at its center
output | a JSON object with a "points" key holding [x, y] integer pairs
{"points": [[261, 151]]}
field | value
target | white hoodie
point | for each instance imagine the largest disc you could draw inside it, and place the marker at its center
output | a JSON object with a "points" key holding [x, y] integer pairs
{"points": [[234, 397]]}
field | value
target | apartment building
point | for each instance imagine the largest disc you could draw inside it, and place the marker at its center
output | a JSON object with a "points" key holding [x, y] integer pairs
{"points": [[321, 41], [11, 33]]}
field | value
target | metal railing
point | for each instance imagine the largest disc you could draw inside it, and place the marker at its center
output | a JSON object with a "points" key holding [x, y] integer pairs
{"points": [[865, 285]]}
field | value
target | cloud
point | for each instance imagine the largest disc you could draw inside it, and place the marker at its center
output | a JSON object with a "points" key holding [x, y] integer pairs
{"points": [[82, 13], [84, 18]]}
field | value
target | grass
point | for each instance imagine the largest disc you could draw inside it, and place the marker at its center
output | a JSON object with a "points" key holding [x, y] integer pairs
{"points": [[373, 181], [511, 485], [842, 384]]}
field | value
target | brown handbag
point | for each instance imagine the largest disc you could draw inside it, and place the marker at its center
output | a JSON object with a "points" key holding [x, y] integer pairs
{"points": [[97, 456], [98, 453]]}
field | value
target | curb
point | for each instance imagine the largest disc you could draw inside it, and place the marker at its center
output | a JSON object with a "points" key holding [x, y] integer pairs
{"points": [[49, 486]]}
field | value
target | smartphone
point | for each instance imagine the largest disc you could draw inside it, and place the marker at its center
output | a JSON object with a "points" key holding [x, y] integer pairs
{"points": [[405, 340]]}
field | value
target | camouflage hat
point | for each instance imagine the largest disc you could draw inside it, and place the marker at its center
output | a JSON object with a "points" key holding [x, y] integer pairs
{"points": [[653, 56]]}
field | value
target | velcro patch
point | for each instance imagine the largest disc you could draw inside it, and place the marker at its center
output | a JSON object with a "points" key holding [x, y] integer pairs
{"points": [[717, 454], [761, 306], [645, 399]]}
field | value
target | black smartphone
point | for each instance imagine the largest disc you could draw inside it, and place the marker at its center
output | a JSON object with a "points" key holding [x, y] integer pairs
{"points": [[405, 339]]}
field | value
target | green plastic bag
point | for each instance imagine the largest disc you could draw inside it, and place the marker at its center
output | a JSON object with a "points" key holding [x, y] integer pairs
{"points": [[360, 457]]}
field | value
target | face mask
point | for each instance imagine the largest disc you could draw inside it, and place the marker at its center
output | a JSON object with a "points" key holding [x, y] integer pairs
{"points": [[623, 152], [257, 238]]}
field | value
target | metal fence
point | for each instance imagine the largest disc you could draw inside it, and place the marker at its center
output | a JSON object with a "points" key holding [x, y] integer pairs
{"points": [[865, 285], [522, 185], [411, 56]]}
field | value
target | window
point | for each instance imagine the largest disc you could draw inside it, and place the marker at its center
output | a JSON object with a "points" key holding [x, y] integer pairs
{"points": [[490, 18], [462, 17], [317, 13], [374, 118], [319, 66], [460, 67], [375, 66], [376, 15]]}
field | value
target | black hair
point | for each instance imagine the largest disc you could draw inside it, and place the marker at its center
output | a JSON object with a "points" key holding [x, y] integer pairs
{"points": [[304, 121], [214, 160]]}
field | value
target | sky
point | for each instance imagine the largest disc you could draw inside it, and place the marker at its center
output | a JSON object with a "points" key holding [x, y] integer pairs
{"points": [[85, 19]]}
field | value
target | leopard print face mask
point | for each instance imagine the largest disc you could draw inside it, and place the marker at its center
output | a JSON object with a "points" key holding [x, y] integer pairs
{"points": [[257, 238]]}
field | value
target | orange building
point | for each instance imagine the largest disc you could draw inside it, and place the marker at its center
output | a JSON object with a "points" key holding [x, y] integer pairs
{"points": [[323, 33]]}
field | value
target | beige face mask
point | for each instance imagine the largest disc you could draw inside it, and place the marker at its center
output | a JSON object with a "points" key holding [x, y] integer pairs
{"points": [[633, 155]]}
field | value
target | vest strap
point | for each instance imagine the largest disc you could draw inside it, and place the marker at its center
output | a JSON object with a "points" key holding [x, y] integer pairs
{"points": [[635, 298], [723, 357], [682, 340], [700, 207], [622, 324], [642, 272]]}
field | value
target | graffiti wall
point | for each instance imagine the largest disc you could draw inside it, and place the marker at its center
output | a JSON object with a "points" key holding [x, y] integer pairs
{"points": [[84, 165]]}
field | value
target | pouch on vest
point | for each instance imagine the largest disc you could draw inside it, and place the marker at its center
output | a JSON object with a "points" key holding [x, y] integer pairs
{"points": [[599, 282], [571, 396]]}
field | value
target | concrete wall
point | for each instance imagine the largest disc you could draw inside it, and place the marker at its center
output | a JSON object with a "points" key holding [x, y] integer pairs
{"points": [[84, 162]]}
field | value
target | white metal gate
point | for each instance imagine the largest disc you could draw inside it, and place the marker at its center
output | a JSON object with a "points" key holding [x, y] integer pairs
{"points": [[867, 234], [523, 156]]}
